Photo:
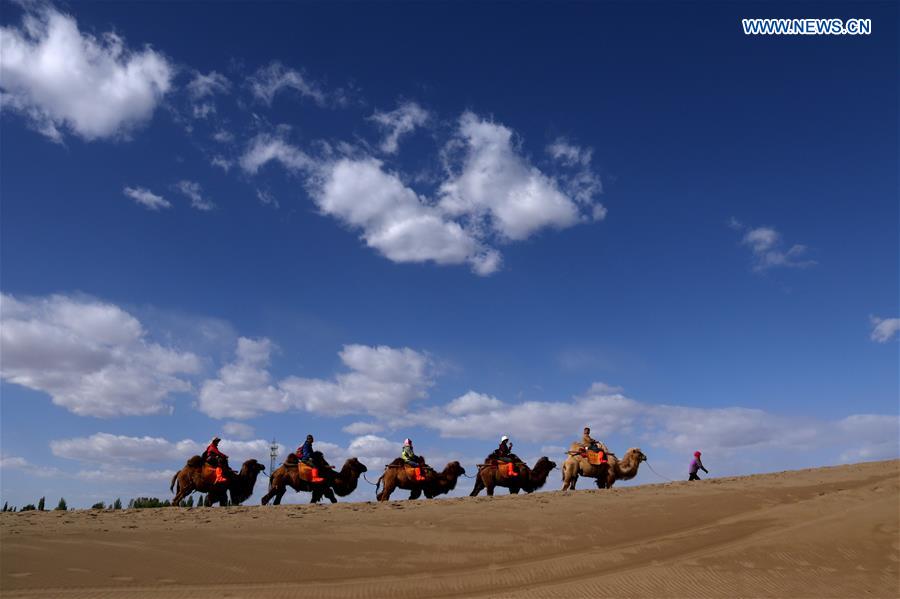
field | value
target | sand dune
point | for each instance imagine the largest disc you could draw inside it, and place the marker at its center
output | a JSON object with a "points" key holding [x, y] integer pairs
{"points": [[829, 532]]}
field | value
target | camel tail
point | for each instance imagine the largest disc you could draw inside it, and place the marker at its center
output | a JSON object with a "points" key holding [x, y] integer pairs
{"points": [[172, 484], [378, 484]]}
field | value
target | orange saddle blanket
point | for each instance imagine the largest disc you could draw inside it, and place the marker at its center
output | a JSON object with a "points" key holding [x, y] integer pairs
{"points": [[596, 458], [309, 474]]}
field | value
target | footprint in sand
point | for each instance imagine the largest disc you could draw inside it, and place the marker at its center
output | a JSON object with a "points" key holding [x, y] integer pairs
{"points": [[19, 574], [77, 570], [122, 578]]}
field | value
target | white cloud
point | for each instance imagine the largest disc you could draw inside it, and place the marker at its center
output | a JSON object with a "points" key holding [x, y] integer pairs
{"points": [[223, 136], [491, 194], [146, 198], [193, 191], [93, 358], [568, 153], [265, 148], [884, 329], [238, 430], [363, 428], [381, 380], [222, 162], [768, 250], [63, 79], [726, 432], [473, 402], [393, 218], [496, 183], [11, 462], [244, 387], [268, 81], [109, 449], [398, 122], [203, 86], [266, 197]]}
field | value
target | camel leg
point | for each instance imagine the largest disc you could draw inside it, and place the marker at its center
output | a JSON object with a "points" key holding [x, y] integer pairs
{"points": [[386, 491], [490, 489], [479, 485], [278, 495], [181, 494], [415, 493], [514, 490], [329, 493], [265, 498]]}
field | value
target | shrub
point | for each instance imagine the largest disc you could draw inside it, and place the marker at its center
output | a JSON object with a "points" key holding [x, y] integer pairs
{"points": [[40, 506], [27, 508], [117, 504], [98, 506], [61, 506]]}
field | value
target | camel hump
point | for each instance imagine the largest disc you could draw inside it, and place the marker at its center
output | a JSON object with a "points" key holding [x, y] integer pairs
{"points": [[396, 462], [291, 459], [195, 461]]}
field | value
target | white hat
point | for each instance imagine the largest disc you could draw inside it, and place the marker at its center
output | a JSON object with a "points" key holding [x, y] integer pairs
{"points": [[504, 438], [407, 442]]}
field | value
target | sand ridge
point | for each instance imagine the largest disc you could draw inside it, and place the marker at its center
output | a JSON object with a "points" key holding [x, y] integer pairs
{"points": [[828, 532]]}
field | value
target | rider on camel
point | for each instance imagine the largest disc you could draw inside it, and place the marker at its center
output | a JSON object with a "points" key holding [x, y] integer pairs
{"points": [[504, 454], [592, 444], [306, 455], [409, 457], [216, 458]]}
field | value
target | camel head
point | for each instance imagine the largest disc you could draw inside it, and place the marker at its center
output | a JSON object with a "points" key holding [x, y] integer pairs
{"points": [[544, 462], [638, 454], [454, 469], [251, 467], [355, 466]]}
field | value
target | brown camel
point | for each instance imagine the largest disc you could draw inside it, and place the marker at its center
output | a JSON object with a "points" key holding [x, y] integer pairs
{"points": [[436, 483], [343, 483], [624, 469], [576, 465], [604, 474], [200, 476], [528, 479]]}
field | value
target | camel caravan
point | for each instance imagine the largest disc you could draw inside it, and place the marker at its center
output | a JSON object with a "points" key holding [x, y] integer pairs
{"points": [[307, 470]]}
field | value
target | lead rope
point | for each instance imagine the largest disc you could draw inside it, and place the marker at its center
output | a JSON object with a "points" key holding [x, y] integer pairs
{"points": [[657, 473], [368, 481]]}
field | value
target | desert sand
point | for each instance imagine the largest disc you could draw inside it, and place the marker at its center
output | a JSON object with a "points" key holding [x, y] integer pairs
{"points": [[828, 532]]}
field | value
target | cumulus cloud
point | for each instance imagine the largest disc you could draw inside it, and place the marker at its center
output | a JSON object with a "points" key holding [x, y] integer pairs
{"points": [[11, 462], [682, 429], [244, 387], [399, 122], [491, 195], [109, 449], [884, 329], [381, 380], [393, 218], [91, 357], [769, 250], [62, 79], [495, 183], [193, 191], [268, 81], [146, 198]]}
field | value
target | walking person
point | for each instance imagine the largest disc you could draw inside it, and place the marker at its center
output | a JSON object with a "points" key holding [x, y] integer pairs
{"points": [[696, 465]]}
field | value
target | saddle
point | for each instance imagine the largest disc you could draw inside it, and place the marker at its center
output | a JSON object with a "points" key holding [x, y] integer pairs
{"points": [[596, 458]]}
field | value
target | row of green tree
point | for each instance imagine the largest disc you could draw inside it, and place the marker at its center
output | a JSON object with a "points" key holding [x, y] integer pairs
{"points": [[137, 503]]}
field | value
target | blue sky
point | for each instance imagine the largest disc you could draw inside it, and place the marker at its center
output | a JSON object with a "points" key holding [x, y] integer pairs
{"points": [[449, 222]]}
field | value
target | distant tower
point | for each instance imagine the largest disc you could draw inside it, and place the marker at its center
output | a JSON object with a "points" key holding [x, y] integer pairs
{"points": [[273, 454]]}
